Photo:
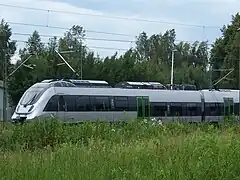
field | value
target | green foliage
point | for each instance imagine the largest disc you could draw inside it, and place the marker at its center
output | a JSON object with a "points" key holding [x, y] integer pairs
{"points": [[139, 150], [225, 54], [7, 48]]}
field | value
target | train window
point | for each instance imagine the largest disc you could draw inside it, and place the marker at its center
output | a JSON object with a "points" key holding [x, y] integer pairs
{"points": [[70, 102], [236, 108], [121, 103], [176, 109], [199, 109], [212, 109], [132, 104], [82, 103], [220, 109], [231, 106], [100, 103], [158, 109], [192, 109], [61, 104], [112, 104], [184, 109], [52, 104]]}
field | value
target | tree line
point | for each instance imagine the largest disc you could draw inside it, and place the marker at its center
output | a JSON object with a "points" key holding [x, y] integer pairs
{"points": [[150, 60]]}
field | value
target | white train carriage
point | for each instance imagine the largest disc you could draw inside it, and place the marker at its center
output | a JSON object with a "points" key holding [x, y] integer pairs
{"points": [[219, 104], [70, 103]]}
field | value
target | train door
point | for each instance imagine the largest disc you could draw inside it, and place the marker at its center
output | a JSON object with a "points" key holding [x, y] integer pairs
{"points": [[143, 106], [61, 108], [228, 107]]}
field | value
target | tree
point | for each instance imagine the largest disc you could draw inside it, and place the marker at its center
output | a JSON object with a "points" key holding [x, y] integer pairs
{"points": [[24, 77], [225, 54], [7, 48], [149, 61]]}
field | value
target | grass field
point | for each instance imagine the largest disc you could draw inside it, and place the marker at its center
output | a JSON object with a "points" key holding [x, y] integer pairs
{"points": [[139, 150]]}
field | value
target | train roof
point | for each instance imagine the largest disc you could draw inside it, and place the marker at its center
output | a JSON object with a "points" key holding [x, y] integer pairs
{"points": [[123, 84], [47, 84], [219, 95], [140, 85], [154, 95], [88, 81], [158, 95]]}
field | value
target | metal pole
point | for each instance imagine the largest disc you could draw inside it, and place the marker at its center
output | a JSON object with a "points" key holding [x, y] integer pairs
{"points": [[239, 74], [223, 77], [239, 77], [19, 66], [5, 80], [221, 70], [66, 63], [238, 39], [210, 77], [82, 64], [3, 74], [172, 70]]}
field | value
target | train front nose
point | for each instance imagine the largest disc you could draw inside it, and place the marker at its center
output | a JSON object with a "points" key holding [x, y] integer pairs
{"points": [[23, 113]]}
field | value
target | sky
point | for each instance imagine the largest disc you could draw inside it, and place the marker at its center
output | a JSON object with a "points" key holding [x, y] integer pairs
{"points": [[192, 20]]}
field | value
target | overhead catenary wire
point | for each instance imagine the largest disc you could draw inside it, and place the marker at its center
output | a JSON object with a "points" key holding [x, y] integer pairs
{"points": [[111, 17], [112, 48], [92, 38], [94, 31], [94, 47], [86, 38], [64, 28]]}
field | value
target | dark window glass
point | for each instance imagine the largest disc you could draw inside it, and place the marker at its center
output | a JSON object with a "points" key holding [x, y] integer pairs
{"points": [[221, 109], [52, 104], [191, 109], [112, 103], [82, 103], [158, 109], [199, 109], [100, 103], [176, 109], [231, 106], [70, 102], [121, 103], [184, 109], [212, 109], [61, 104], [236, 108], [132, 104]]}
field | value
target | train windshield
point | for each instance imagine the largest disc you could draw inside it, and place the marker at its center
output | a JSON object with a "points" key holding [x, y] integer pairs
{"points": [[33, 94]]}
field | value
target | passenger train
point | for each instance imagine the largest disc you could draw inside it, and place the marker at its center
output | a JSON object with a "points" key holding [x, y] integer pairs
{"points": [[71, 101]]}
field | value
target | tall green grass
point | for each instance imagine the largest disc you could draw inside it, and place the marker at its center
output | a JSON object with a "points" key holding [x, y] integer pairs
{"points": [[138, 150]]}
